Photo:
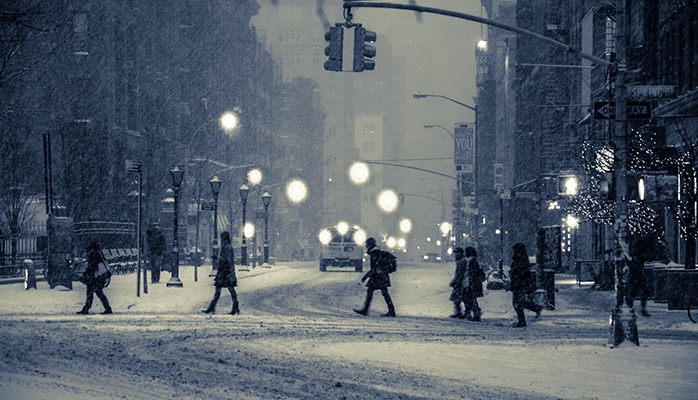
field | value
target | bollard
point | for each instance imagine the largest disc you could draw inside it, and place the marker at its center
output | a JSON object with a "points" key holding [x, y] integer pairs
{"points": [[549, 286], [29, 275]]}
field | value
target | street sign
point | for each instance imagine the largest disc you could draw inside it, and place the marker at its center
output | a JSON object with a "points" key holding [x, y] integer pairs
{"points": [[636, 110], [207, 206], [651, 91]]}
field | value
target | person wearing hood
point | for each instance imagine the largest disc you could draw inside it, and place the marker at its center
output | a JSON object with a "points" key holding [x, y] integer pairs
{"points": [[522, 285], [378, 277]]}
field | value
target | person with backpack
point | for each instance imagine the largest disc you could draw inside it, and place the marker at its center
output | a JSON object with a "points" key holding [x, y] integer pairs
{"points": [[382, 264], [95, 282]]}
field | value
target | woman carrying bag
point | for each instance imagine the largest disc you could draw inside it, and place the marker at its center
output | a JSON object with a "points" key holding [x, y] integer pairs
{"points": [[96, 278]]}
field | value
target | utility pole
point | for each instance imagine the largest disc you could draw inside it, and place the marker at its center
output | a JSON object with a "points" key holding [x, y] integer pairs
{"points": [[623, 319]]}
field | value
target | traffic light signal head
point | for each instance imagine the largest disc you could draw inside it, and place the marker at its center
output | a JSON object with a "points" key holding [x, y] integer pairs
{"points": [[567, 185], [363, 49], [335, 37]]}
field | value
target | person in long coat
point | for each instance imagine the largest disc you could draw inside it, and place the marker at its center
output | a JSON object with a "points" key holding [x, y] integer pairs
{"points": [[157, 244], [225, 276], [94, 284], [522, 285], [378, 278], [472, 285], [456, 283]]}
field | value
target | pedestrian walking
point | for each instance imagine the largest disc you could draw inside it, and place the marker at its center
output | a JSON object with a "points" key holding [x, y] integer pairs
{"points": [[456, 283], [155, 240], [225, 275], [95, 282], [382, 264], [472, 285], [522, 285], [643, 249]]}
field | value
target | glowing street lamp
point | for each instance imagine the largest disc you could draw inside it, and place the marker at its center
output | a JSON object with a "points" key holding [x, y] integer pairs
{"points": [[388, 200], [325, 236], [359, 173], [405, 225], [359, 236], [296, 191], [254, 177], [229, 121], [342, 228], [445, 228]]}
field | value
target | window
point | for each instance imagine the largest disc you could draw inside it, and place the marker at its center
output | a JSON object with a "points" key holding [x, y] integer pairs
{"points": [[290, 36], [80, 23], [292, 60]]}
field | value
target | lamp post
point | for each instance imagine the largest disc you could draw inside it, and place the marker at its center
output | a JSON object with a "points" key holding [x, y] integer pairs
{"points": [[439, 126], [215, 190], [177, 175], [266, 199], [244, 191]]}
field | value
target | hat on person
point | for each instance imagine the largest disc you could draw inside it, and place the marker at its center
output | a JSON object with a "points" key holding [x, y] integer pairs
{"points": [[370, 243], [458, 250]]}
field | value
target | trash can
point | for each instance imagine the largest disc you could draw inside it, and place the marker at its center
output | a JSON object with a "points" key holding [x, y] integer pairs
{"points": [[29, 275], [682, 286]]}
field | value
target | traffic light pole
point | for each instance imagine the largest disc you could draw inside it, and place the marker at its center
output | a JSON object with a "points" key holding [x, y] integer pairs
{"points": [[618, 318], [623, 319]]}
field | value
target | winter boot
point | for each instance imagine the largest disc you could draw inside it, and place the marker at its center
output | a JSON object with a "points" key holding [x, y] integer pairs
{"points": [[210, 309], [456, 312], [236, 308], [362, 311], [520, 324], [476, 315], [84, 311], [390, 313], [367, 304]]}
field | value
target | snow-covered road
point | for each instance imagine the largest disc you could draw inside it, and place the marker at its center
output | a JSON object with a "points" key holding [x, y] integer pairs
{"points": [[297, 338]]}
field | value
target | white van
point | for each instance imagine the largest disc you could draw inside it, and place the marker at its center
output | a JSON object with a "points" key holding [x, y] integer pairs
{"points": [[341, 251]]}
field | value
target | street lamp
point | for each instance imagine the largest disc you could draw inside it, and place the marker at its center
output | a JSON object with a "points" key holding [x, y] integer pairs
{"points": [[419, 95], [215, 190], [266, 199], [439, 126], [244, 191], [177, 175]]}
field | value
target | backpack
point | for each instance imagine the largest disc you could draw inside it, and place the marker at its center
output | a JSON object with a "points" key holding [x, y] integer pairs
{"points": [[390, 262]]}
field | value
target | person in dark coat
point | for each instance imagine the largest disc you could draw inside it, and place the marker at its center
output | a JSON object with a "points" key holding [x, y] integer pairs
{"points": [[643, 249], [155, 240], [225, 275], [457, 284], [522, 285], [378, 278], [94, 284], [472, 285]]}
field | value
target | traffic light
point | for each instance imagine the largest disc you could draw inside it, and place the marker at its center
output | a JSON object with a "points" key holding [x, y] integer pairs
{"points": [[363, 49], [334, 50], [657, 188], [567, 185]]}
